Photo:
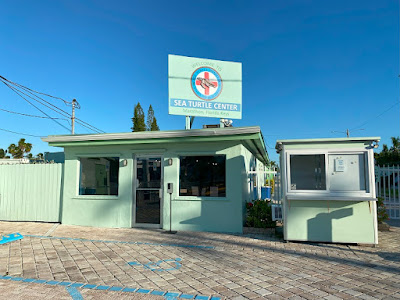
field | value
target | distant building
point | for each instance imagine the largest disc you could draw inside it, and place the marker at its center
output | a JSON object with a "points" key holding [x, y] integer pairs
{"points": [[8, 161], [56, 157]]}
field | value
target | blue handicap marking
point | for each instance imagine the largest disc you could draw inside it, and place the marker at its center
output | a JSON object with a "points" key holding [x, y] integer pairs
{"points": [[156, 266], [74, 293], [171, 296], [11, 237]]}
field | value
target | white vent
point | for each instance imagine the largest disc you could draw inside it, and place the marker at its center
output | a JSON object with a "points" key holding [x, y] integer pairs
{"points": [[276, 212]]}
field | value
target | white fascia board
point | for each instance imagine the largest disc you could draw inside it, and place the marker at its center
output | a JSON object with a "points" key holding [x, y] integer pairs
{"points": [[330, 140], [152, 134]]}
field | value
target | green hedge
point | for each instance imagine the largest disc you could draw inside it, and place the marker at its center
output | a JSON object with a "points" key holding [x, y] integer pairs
{"points": [[259, 214]]}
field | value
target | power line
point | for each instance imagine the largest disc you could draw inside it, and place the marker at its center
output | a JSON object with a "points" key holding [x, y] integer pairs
{"points": [[61, 112], [14, 90], [19, 133], [20, 85], [28, 115], [371, 119], [347, 132]]}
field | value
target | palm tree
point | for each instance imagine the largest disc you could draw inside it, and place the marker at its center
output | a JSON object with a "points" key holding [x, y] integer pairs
{"points": [[20, 150]]}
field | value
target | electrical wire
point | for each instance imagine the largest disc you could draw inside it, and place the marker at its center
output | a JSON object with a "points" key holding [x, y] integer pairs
{"points": [[28, 115], [366, 122], [268, 145], [20, 85], [2, 129], [48, 104], [61, 112], [14, 90]]}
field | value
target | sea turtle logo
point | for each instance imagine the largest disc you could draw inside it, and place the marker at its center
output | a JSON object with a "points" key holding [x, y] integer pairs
{"points": [[206, 83]]}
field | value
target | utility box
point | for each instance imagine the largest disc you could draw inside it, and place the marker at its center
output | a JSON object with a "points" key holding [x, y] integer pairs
{"points": [[329, 190]]}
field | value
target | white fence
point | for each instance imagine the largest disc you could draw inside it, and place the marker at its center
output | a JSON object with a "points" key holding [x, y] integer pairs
{"points": [[388, 187], [30, 192]]}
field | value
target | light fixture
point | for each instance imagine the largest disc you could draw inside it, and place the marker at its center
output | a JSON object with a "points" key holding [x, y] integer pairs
{"points": [[227, 122], [374, 144], [170, 162]]}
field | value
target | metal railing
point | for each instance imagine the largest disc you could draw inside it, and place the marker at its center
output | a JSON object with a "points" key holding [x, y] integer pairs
{"points": [[387, 181]]}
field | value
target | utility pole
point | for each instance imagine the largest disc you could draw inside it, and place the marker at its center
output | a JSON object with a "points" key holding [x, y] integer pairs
{"points": [[74, 105], [347, 132], [73, 117]]}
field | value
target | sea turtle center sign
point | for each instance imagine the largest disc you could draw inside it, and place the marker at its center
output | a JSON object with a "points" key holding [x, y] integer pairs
{"points": [[204, 87]]}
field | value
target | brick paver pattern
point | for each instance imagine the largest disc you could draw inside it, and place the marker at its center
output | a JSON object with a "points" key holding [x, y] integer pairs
{"points": [[238, 267]]}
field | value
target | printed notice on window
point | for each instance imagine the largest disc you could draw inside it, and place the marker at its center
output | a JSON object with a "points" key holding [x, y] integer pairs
{"points": [[339, 165]]}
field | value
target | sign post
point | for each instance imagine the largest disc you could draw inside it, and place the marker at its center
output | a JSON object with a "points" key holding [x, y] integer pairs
{"points": [[204, 88]]}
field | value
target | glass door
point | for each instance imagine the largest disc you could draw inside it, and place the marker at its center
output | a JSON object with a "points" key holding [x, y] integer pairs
{"points": [[147, 206]]}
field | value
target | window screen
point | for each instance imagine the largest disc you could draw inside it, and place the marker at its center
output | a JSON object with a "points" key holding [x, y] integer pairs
{"points": [[307, 172], [99, 176], [202, 176]]}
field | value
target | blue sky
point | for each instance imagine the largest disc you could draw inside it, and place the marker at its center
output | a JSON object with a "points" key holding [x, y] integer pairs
{"points": [[309, 67]]}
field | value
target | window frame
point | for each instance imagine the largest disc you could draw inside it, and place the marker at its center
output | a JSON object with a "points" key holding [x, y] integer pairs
{"points": [[179, 197], [368, 193], [79, 172]]}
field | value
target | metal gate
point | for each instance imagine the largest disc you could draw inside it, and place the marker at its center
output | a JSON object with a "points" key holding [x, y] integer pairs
{"points": [[387, 187]]}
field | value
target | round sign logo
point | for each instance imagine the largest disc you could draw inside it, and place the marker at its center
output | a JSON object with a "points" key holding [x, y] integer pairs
{"points": [[206, 83]]}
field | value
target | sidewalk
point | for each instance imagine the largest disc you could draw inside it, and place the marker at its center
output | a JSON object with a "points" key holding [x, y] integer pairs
{"points": [[196, 265]]}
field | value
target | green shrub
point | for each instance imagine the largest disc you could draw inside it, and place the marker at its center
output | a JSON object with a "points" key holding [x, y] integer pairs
{"points": [[259, 214], [381, 211]]}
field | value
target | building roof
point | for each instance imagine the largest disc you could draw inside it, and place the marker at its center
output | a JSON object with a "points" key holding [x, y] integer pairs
{"points": [[279, 143], [251, 137]]}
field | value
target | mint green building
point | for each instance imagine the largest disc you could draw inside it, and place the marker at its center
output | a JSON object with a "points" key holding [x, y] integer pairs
{"points": [[136, 179], [328, 188]]}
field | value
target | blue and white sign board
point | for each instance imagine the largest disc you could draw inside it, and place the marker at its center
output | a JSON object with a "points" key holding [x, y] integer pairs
{"points": [[204, 87]]}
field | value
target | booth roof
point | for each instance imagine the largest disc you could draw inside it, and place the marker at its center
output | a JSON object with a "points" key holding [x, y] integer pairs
{"points": [[251, 137], [279, 143]]}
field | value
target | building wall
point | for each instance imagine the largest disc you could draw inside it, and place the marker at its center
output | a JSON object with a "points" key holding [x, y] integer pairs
{"points": [[188, 213], [339, 221], [329, 220]]}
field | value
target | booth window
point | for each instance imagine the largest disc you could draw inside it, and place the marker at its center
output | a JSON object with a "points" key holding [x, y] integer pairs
{"points": [[331, 172], [307, 172], [202, 176], [99, 176]]}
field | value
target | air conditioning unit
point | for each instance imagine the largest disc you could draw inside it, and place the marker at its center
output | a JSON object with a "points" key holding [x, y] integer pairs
{"points": [[276, 212]]}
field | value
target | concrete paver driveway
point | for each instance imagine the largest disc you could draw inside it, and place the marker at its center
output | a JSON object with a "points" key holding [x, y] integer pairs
{"points": [[74, 262]]}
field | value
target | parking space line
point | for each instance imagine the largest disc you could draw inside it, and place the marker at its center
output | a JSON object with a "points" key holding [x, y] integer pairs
{"points": [[121, 242], [75, 294], [72, 289], [52, 229]]}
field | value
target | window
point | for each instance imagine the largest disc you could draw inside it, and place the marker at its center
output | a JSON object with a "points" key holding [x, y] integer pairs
{"points": [[202, 176], [347, 172], [99, 176], [329, 172], [148, 172], [307, 172]]}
